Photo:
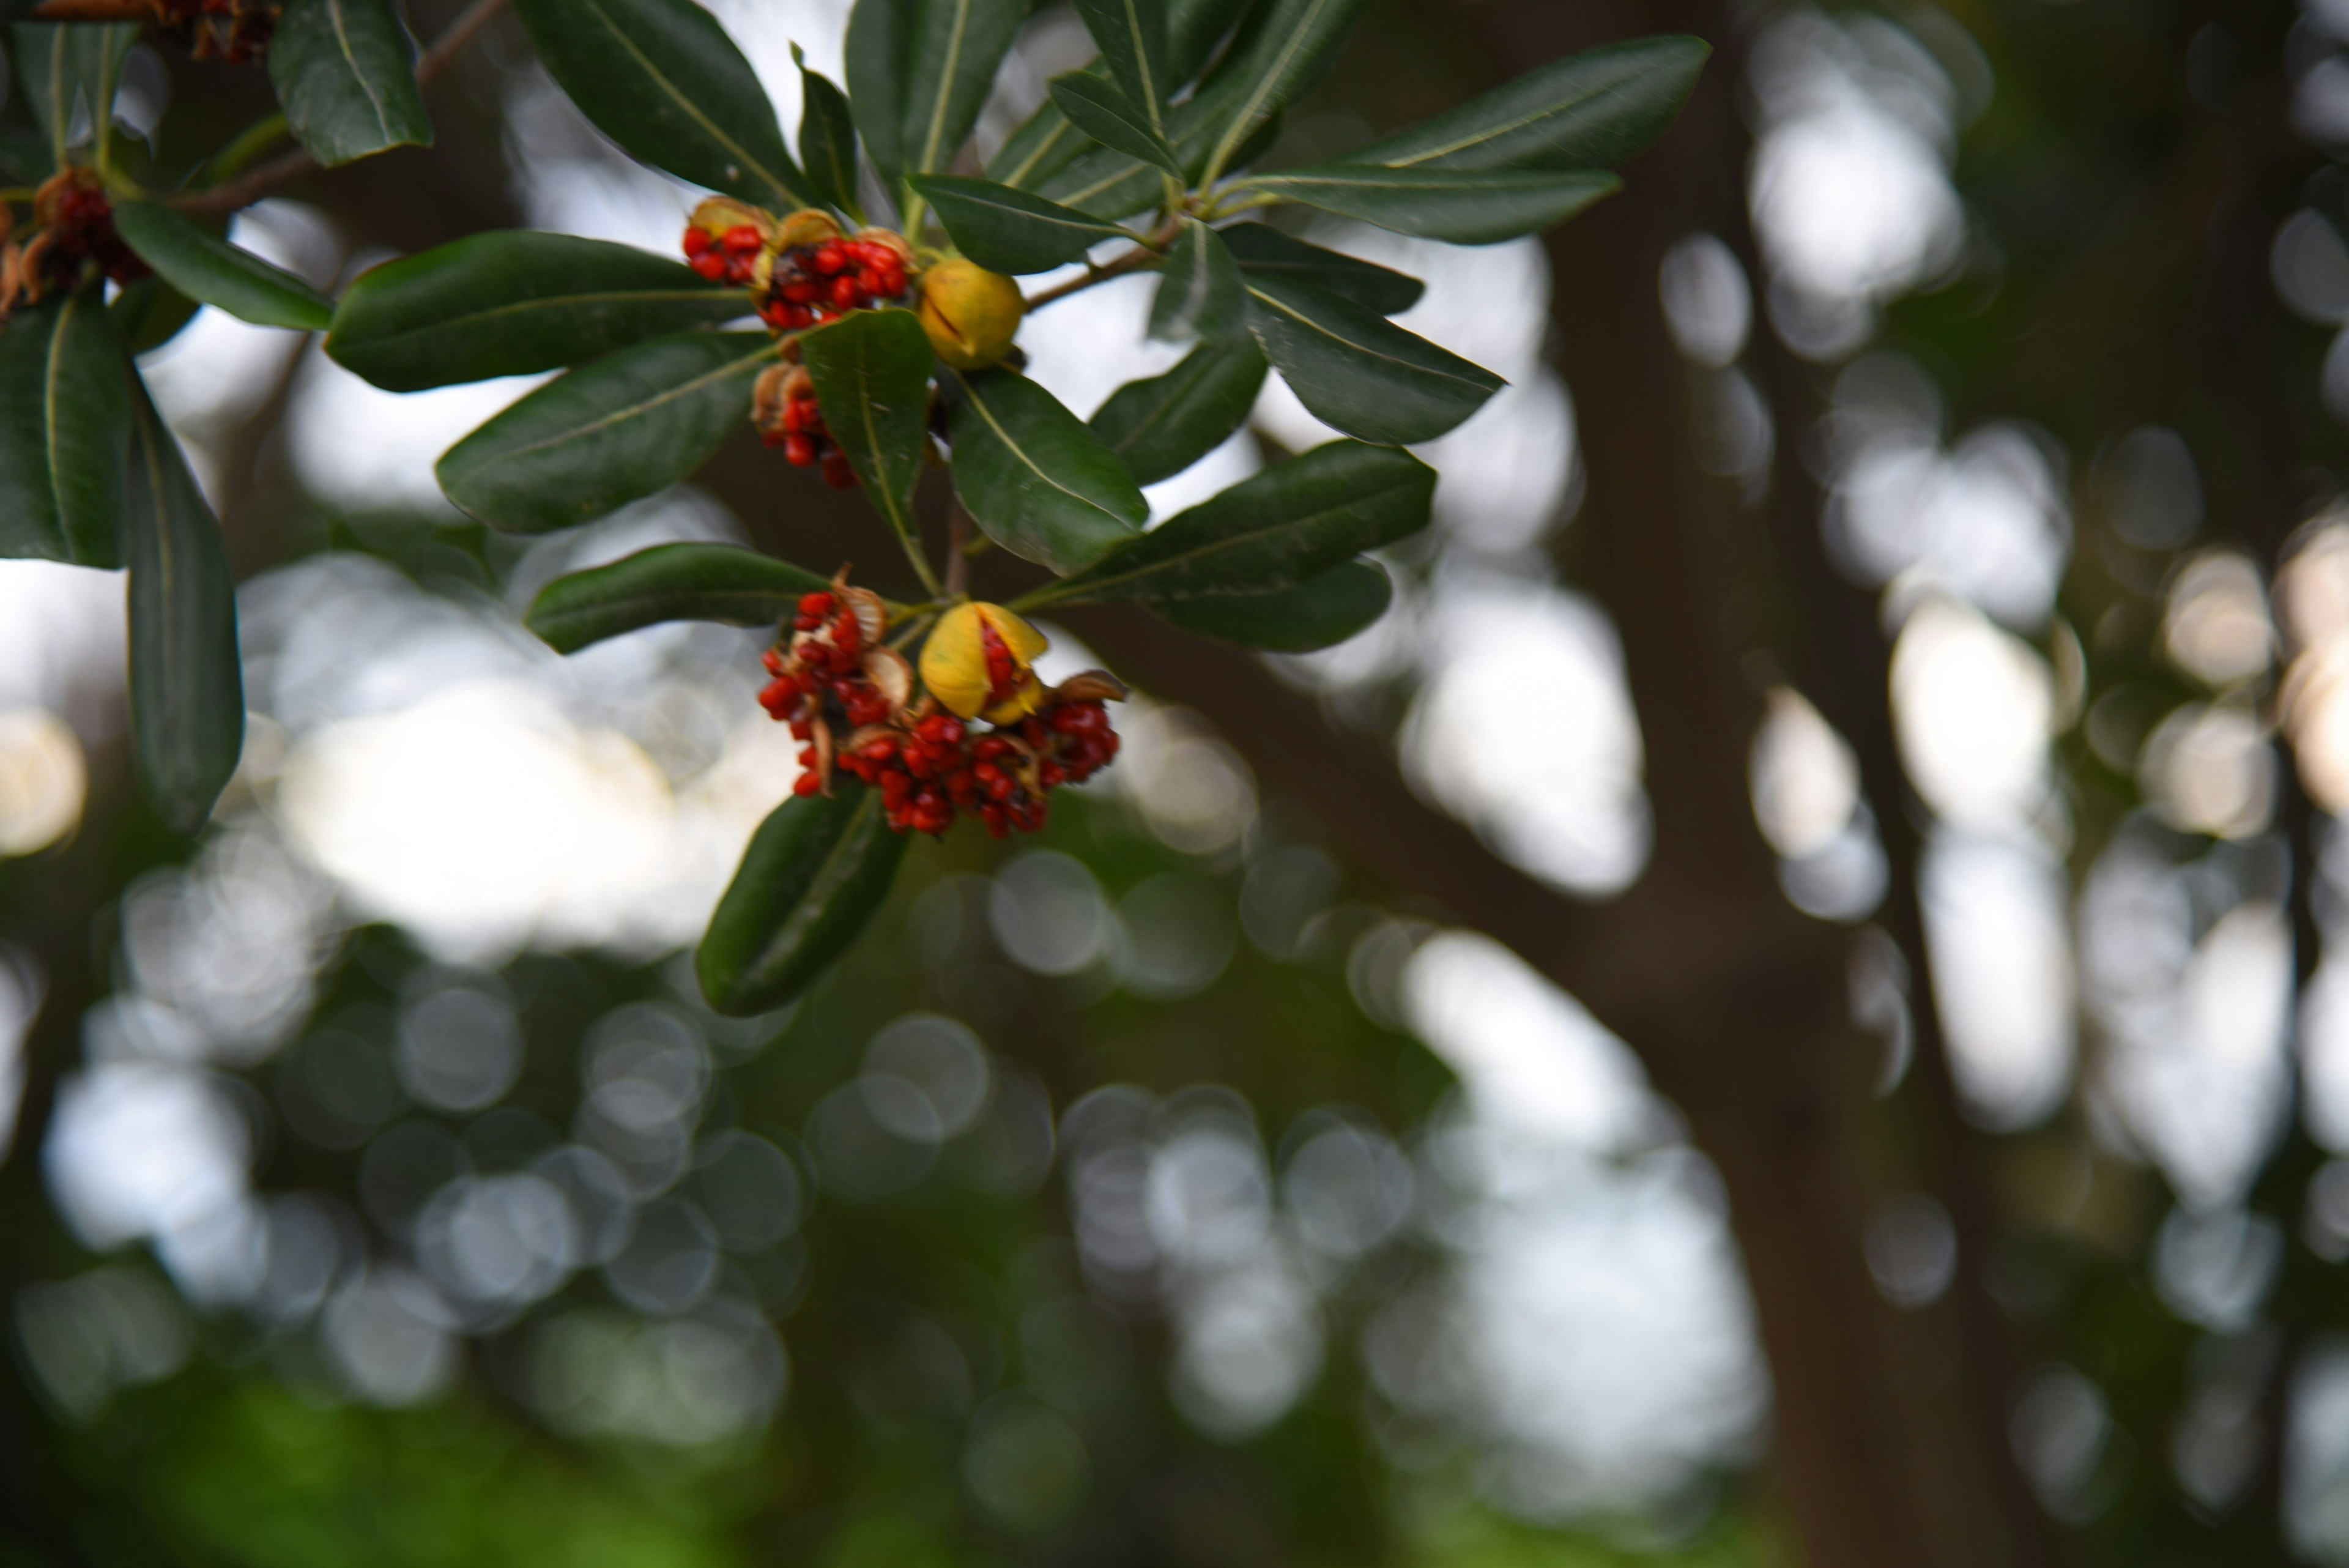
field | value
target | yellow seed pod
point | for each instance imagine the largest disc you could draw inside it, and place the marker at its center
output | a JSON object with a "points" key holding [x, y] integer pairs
{"points": [[956, 667], [971, 314], [717, 214], [808, 226]]}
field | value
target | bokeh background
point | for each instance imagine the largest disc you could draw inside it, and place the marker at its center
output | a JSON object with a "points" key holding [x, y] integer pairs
{"points": [[1787, 991]]}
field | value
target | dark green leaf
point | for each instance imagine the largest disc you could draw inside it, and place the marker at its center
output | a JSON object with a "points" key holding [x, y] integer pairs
{"points": [[1591, 110], [1132, 39], [1103, 110], [668, 582], [827, 137], [510, 302], [1282, 51], [662, 78], [1462, 206], [1035, 478], [919, 73], [1009, 231], [70, 66], [815, 873], [1201, 293], [871, 374], [25, 157], [1360, 372], [1321, 613], [344, 71], [187, 686], [1109, 184], [1266, 252], [207, 268], [1161, 426], [1193, 28], [1040, 149], [64, 432], [148, 314], [622, 429], [1288, 524]]}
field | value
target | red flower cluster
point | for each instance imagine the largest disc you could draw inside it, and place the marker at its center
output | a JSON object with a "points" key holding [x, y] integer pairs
{"points": [[236, 31], [812, 284], [784, 407]]}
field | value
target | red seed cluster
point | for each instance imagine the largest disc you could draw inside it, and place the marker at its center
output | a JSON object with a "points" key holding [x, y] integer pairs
{"points": [[812, 284], [730, 257], [784, 407], [236, 31], [942, 767], [827, 658], [76, 234]]}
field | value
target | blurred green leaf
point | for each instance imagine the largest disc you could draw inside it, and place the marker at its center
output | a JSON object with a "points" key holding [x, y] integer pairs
{"points": [[1290, 522], [1009, 231], [1107, 112], [148, 314], [64, 432], [207, 268], [919, 73], [827, 137], [1359, 372], [1592, 111], [1320, 612], [662, 78], [344, 71], [187, 683], [815, 873], [1035, 478], [871, 374], [1161, 426], [1200, 293], [1132, 36], [1045, 144], [63, 65], [1193, 28], [510, 302], [626, 427], [668, 582], [1283, 49], [1461, 206], [1266, 252]]}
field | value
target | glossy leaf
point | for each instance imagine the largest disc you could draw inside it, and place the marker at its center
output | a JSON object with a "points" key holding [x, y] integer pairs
{"points": [[510, 302], [1041, 148], [64, 432], [1009, 231], [70, 72], [187, 684], [1284, 49], [1161, 426], [148, 314], [1461, 206], [1193, 28], [827, 137], [662, 78], [1591, 110], [1201, 293], [1266, 252], [919, 73], [1035, 478], [814, 875], [345, 72], [1109, 184], [871, 374], [626, 427], [208, 269], [1361, 373], [668, 582], [1288, 524], [1107, 112], [1132, 35], [1321, 613]]}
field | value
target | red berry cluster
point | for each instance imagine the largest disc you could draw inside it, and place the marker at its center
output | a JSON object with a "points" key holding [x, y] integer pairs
{"points": [[236, 31], [784, 409], [76, 234], [942, 766], [812, 284], [728, 257], [834, 653]]}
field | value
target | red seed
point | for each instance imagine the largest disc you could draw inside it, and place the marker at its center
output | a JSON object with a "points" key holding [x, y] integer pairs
{"points": [[743, 240], [829, 258], [845, 294], [837, 473], [806, 786], [709, 265], [696, 241], [798, 450]]}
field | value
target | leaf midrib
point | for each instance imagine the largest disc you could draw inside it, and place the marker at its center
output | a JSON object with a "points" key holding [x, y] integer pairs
{"points": [[1209, 548], [692, 109], [1316, 326], [620, 416], [343, 46], [554, 302], [1509, 126], [822, 886], [979, 403]]}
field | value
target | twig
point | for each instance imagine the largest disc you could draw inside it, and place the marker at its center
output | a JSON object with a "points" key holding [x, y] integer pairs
{"points": [[263, 179], [1143, 254], [93, 11], [957, 549]]}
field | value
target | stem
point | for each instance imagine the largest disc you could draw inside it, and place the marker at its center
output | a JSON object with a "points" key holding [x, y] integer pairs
{"points": [[266, 178], [913, 629], [957, 549], [250, 144], [1144, 253], [909, 220]]}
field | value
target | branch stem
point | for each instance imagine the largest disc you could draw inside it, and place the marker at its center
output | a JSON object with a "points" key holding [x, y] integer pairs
{"points": [[1144, 253], [957, 549]]}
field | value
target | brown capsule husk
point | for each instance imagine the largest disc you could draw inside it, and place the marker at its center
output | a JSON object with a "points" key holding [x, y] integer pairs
{"points": [[1090, 686], [892, 675], [808, 226], [822, 741], [768, 394], [716, 215], [870, 611]]}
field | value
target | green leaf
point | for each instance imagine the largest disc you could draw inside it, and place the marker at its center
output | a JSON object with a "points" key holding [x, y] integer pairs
{"points": [[1591, 110], [344, 71], [815, 873], [1042, 147], [1103, 110], [1287, 524], [1132, 39], [510, 302], [625, 427], [1463, 206], [1109, 184], [65, 66], [1009, 231], [662, 78], [1266, 252], [1357, 371], [1201, 293], [1193, 28], [919, 73], [827, 137], [64, 432], [148, 314], [1284, 49], [668, 582], [871, 374], [1161, 426], [1321, 613], [207, 268], [187, 685], [1035, 478]]}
